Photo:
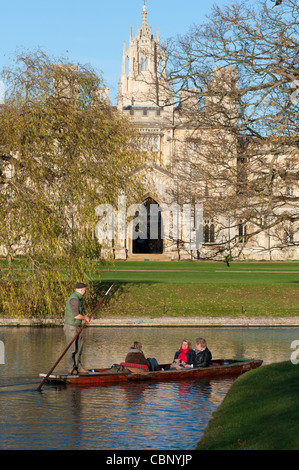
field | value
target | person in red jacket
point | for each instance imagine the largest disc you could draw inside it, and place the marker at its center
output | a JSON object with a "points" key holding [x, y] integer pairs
{"points": [[184, 356]]}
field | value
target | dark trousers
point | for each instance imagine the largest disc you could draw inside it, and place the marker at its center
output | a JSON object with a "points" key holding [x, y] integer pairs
{"points": [[153, 363], [73, 354]]}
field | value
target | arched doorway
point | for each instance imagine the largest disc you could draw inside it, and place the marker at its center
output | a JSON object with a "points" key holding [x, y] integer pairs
{"points": [[150, 245]]}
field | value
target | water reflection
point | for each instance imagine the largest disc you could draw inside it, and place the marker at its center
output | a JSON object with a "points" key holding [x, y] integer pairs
{"points": [[133, 416], [138, 416], [269, 344]]}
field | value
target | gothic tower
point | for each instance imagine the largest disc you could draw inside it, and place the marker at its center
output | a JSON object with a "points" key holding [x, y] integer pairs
{"points": [[142, 82]]}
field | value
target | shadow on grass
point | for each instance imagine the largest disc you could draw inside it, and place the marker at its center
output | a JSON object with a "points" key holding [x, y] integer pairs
{"points": [[286, 282], [99, 288]]}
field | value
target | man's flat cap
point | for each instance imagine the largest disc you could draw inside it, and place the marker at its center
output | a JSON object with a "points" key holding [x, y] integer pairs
{"points": [[80, 285]]}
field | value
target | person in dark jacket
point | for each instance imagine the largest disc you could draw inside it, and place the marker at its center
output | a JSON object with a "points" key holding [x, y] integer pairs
{"points": [[135, 354], [202, 356]]}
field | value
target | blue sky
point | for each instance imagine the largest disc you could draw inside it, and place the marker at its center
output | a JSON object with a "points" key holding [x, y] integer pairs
{"points": [[92, 31]]}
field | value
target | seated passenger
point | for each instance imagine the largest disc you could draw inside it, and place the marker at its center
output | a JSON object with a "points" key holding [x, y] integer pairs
{"points": [[202, 356], [135, 356], [184, 356]]}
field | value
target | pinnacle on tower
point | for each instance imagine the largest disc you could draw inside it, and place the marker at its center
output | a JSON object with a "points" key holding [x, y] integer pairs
{"points": [[144, 15], [141, 68]]}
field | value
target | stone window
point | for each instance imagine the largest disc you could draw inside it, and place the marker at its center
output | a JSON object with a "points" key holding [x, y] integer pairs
{"points": [[209, 230], [242, 232]]}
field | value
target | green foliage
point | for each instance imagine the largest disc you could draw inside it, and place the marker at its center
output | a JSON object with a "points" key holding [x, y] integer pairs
{"points": [[63, 151]]}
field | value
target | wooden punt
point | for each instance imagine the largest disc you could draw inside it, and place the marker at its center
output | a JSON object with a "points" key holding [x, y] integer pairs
{"points": [[100, 377]]}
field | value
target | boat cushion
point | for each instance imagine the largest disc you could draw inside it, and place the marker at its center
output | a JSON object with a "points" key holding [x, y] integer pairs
{"points": [[138, 366]]}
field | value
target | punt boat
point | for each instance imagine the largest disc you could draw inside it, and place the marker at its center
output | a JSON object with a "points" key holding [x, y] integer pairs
{"points": [[110, 376]]}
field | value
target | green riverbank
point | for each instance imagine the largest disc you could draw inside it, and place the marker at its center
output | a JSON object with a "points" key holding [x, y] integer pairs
{"points": [[186, 289], [191, 290], [260, 412]]}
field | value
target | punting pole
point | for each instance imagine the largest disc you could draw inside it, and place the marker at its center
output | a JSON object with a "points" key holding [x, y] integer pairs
{"points": [[85, 323]]}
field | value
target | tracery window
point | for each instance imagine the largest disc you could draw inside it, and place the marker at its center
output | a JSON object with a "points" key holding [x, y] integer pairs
{"points": [[242, 232], [194, 172], [143, 61], [209, 230]]}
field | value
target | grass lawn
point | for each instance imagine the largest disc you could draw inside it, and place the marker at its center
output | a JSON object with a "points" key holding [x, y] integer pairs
{"points": [[179, 289], [260, 412], [202, 289]]}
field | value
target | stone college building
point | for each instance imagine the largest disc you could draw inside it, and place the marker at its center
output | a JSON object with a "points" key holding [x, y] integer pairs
{"points": [[173, 174]]}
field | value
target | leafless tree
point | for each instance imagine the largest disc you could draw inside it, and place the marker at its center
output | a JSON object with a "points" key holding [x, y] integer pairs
{"points": [[235, 82]]}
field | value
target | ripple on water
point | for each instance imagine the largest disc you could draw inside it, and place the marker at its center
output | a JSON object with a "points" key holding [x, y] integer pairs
{"points": [[132, 416]]}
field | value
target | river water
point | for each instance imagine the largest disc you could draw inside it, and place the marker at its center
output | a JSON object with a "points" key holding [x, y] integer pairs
{"points": [[160, 416]]}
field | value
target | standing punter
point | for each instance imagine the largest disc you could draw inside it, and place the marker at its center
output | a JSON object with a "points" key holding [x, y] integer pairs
{"points": [[74, 315]]}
